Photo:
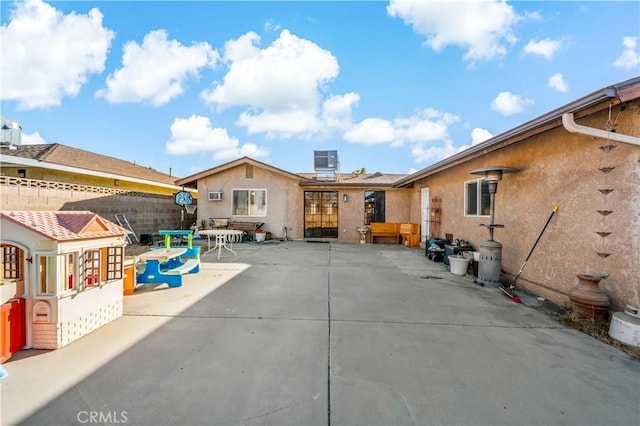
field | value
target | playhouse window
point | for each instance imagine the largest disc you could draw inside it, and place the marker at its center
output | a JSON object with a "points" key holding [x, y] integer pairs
{"points": [[47, 277], [476, 198], [11, 263], [115, 256], [92, 267], [70, 272]]}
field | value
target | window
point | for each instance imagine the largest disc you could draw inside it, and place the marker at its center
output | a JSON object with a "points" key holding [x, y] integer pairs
{"points": [[22, 173], [91, 267], [11, 263], [250, 202], [476, 198], [115, 256], [47, 275], [70, 271], [374, 207]]}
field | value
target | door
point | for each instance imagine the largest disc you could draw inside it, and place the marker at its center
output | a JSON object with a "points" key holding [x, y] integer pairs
{"points": [[321, 214], [12, 313], [424, 229]]}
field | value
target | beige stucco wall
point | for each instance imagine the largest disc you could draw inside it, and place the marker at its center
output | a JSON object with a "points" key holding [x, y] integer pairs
{"points": [[284, 202], [560, 168], [351, 212]]}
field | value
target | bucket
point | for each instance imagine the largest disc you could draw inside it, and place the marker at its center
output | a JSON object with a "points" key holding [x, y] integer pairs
{"points": [[260, 236], [458, 265]]}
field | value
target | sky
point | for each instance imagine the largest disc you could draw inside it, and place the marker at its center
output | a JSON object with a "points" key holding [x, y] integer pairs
{"points": [[393, 86]]}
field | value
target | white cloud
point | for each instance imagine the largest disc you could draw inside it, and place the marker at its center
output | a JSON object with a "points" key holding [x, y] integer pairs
{"points": [[483, 27], [557, 82], [196, 134], [545, 48], [156, 71], [479, 135], [371, 131], [47, 55], [283, 81], [32, 139], [507, 103], [630, 58], [427, 126], [336, 111], [269, 25], [424, 126], [434, 153]]}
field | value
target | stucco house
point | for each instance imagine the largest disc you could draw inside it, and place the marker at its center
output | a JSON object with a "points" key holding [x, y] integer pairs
{"points": [[62, 277], [298, 205], [583, 157]]}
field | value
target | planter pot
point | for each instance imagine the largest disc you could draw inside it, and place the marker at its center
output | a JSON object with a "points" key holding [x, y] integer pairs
{"points": [[587, 299], [260, 236], [458, 265]]}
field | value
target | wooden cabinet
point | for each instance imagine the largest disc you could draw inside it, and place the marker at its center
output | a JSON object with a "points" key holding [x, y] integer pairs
{"points": [[410, 234]]}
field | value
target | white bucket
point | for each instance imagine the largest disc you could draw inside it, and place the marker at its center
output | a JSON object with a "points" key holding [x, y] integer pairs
{"points": [[458, 265], [260, 236]]}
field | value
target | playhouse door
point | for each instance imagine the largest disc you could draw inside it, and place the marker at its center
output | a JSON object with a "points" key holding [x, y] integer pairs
{"points": [[13, 336]]}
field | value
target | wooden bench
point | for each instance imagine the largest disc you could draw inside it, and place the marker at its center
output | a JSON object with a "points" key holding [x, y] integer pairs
{"points": [[249, 228], [380, 229]]}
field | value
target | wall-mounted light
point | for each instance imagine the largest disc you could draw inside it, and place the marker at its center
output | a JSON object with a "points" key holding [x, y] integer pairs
{"points": [[345, 198]]}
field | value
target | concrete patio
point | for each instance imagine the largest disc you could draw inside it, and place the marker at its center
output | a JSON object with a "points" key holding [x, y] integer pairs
{"points": [[296, 333]]}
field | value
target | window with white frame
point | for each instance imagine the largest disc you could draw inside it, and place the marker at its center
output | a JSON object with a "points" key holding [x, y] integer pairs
{"points": [[47, 275], [250, 202], [70, 271], [476, 198], [115, 257], [91, 267]]}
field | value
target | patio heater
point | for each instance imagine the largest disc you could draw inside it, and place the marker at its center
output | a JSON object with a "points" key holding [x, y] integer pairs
{"points": [[489, 266]]}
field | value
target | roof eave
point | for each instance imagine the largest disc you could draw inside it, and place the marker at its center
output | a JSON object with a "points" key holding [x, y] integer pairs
{"points": [[6, 159], [583, 103]]}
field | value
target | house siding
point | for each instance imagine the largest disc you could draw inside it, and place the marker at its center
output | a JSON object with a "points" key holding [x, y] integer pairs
{"points": [[284, 202], [558, 167]]}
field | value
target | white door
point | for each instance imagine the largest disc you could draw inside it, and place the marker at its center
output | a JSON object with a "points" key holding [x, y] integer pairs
{"points": [[424, 228]]}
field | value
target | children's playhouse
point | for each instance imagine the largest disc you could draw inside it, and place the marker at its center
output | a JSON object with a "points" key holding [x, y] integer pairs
{"points": [[62, 277]]}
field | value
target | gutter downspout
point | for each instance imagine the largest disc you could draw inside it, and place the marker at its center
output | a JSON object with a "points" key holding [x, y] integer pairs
{"points": [[572, 127]]}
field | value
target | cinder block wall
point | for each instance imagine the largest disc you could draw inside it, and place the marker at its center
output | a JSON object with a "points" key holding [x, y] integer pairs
{"points": [[146, 213]]}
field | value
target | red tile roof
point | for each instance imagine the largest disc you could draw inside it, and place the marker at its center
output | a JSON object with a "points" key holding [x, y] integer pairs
{"points": [[65, 225]]}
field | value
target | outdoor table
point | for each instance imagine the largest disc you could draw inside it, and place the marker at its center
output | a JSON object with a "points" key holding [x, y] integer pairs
{"points": [[152, 270], [221, 239]]}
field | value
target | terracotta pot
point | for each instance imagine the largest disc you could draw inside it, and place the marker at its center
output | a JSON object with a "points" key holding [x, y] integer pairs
{"points": [[586, 297]]}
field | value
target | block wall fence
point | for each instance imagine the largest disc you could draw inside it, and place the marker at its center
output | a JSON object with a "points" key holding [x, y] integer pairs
{"points": [[147, 213]]}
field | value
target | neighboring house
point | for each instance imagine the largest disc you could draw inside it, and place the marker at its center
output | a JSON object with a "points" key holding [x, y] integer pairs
{"points": [[60, 177], [583, 157], [298, 206], [62, 277]]}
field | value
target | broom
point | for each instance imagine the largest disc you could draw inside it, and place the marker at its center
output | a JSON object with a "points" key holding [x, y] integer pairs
{"points": [[510, 291]]}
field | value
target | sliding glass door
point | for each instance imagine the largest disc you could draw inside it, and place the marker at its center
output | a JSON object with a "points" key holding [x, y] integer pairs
{"points": [[320, 214]]}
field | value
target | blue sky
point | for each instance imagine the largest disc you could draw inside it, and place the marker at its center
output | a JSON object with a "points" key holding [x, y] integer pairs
{"points": [[392, 86]]}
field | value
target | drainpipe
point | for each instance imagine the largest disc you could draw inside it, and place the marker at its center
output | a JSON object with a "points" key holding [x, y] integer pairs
{"points": [[571, 126]]}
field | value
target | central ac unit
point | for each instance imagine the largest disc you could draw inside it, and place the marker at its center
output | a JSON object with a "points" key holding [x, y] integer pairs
{"points": [[215, 196]]}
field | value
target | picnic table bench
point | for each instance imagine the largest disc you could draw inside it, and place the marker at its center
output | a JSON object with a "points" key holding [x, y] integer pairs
{"points": [[165, 266]]}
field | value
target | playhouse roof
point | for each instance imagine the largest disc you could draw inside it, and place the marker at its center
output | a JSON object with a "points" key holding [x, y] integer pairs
{"points": [[65, 225]]}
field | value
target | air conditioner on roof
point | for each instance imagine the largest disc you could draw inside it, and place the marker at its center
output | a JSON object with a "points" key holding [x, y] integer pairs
{"points": [[215, 196]]}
